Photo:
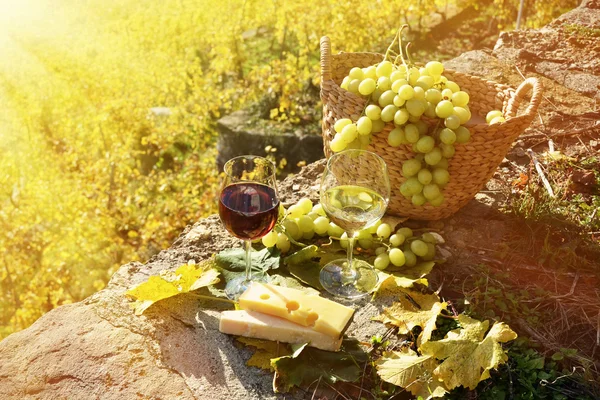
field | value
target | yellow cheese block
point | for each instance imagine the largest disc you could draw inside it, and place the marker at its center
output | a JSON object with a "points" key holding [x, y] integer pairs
{"points": [[262, 326], [322, 315]]}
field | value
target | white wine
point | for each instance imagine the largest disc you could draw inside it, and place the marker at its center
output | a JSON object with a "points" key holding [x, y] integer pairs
{"points": [[353, 207]]}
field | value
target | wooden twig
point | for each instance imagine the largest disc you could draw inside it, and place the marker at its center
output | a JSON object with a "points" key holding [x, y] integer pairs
{"points": [[538, 168]]}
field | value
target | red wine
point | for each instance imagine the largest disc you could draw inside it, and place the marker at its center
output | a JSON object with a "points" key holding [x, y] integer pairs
{"points": [[248, 210]]}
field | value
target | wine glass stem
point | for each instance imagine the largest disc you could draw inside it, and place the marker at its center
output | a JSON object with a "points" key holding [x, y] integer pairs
{"points": [[349, 273], [248, 248]]}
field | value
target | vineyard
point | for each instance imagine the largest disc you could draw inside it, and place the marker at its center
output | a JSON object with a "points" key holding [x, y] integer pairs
{"points": [[107, 115]]}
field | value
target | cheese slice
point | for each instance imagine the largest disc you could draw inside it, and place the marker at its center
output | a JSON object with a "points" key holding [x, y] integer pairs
{"points": [[257, 325], [308, 310]]}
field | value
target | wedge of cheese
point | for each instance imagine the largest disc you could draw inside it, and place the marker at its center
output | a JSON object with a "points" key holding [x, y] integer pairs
{"points": [[322, 315], [261, 326]]}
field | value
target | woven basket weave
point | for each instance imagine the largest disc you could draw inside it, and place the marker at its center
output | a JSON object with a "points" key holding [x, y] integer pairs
{"points": [[474, 162]]}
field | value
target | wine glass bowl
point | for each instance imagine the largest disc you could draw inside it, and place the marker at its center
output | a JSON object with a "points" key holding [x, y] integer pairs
{"points": [[248, 208], [354, 193]]}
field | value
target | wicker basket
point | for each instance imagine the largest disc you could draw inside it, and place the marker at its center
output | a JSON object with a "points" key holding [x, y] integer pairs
{"points": [[474, 162]]}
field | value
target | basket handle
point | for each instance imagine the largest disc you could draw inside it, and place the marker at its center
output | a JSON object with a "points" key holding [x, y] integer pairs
{"points": [[528, 84], [325, 59]]}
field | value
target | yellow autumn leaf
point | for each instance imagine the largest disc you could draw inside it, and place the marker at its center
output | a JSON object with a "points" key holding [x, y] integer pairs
{"points": [[404, 368]]}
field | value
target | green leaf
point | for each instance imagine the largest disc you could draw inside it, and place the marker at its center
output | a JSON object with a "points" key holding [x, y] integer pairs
{"points": [[288, 281], [307, 273], [232, 262], [468, 355], [418, 271], [308, 364], [184, 279], [302, 255], [264, 351]]}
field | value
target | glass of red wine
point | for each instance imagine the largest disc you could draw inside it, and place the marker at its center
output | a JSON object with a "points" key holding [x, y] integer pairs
{"points": [[248, 207]]}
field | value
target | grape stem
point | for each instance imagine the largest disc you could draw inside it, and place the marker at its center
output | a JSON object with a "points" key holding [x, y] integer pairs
{"points": [[389, 49]]}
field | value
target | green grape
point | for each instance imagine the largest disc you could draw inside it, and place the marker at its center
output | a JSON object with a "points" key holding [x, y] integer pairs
{"points": [[430, 252], [493, 114], [270, 239], [416, 107], [430, 110], [337, 145], [404, 190], [434, 68], [397, 239], [412, 133], [429, 238], [424, 176], [341, 124], [419, 247], [448, 150], [444, 109], [381, 261], [406, 92], [295, 211], [388, 112], [462, 135], [447, 136], [370, 72], [452, 122], [349, 133], [398, 101], [334, 230], [384, 83], [443, 163], [397, 84], [413, 76], [431, 191], [453, 86], [425, 144], [380, 250], [313, 215], [422, 127], [386, 98], [463, 114], [306, 224], [440, 176], [423, 71], [353, 86], [406, 232], [367, 87], [384, 68], [321, 225], [376, 95], [355, 144], [345, 83], [447, 94], [411, 167], [418, 199], [344, 240], [365, 140], [364, 125], [305, 205], [419, 93], [433, 95], [283, 243], [365, 243], [437, 201], [396, 137], [425, 82], [497, 120], [308, 235], [401, 116], [372, 229], [373, 112], [398, 75], [318, 209], [410, 257], [413, 186], [356, 73], [384, 231], [378, 126], [414, 118], [397, 257], [460, 98], [434, 156]]}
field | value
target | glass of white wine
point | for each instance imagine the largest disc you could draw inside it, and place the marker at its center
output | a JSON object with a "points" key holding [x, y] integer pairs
{"points": [[355, 191]]}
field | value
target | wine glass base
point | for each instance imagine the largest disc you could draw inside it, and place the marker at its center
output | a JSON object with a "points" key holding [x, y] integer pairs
{"points": [[237, 286], [337, 281]]}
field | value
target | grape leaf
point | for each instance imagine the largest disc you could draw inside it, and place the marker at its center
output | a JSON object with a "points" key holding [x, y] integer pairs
{"points": [[417, 271], [307, 273], [404, 368], [468, 353], [288, 281], [414, 309], [232, 262], [308, 364], [428, 388], [184, 279], [302, 255], [264, 351], [391, 282]]}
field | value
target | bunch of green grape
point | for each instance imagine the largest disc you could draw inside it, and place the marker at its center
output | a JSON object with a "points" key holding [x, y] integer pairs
{"points": [[303, 220], [407, 96]]}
